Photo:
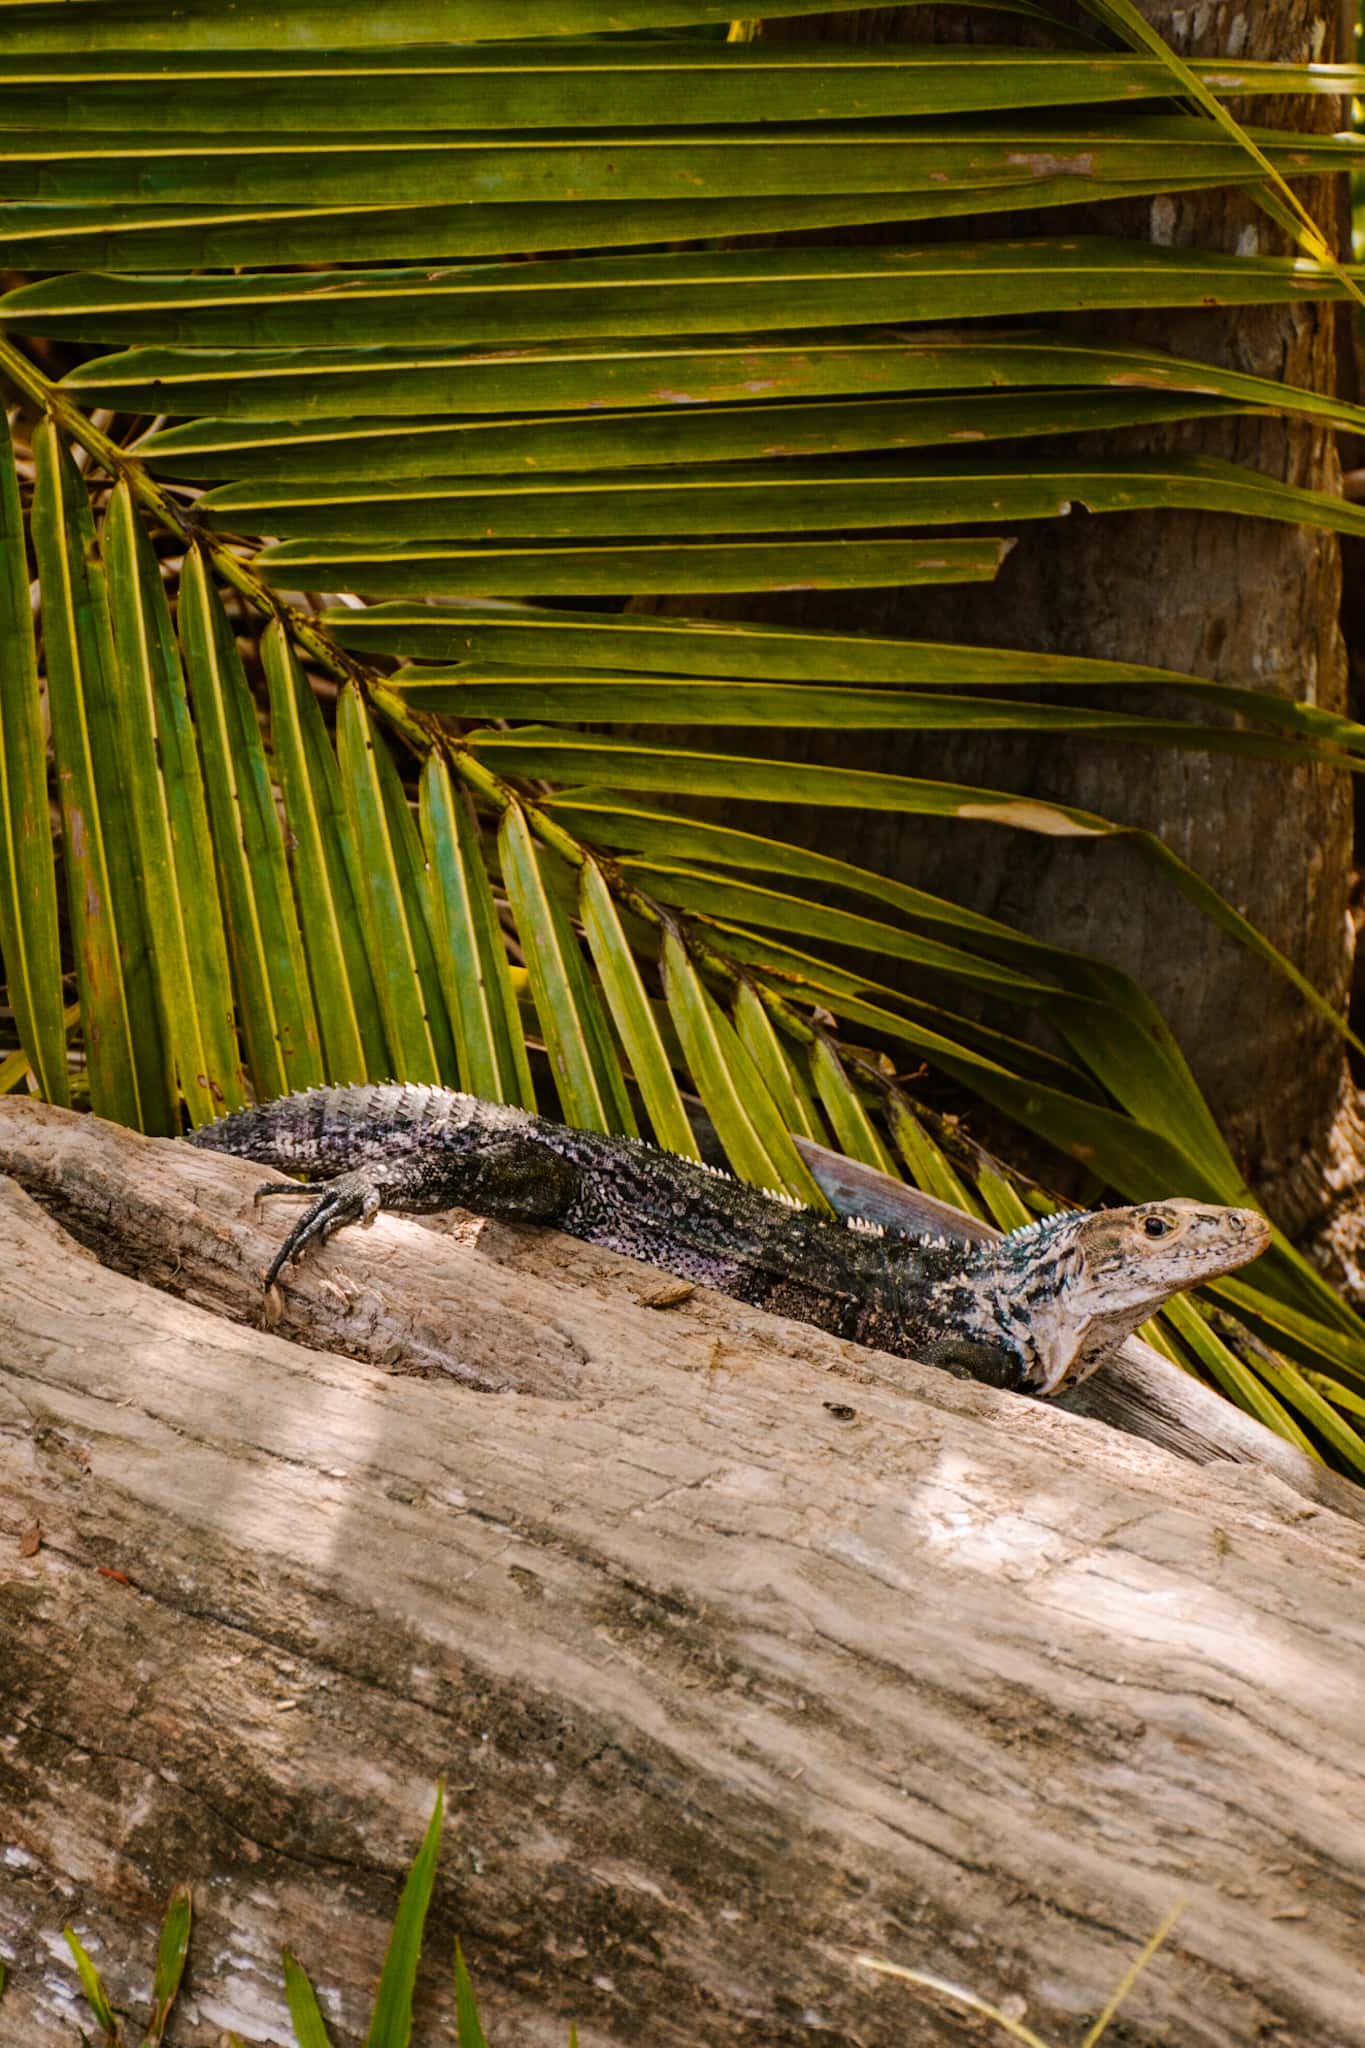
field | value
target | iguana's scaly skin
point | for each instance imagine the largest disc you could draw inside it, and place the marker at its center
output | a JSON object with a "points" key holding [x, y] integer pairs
{"points": [[1043, 1306]]}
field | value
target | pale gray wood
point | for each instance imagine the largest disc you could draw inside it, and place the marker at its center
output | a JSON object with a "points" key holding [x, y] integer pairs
{"points": [[762, 1653]]}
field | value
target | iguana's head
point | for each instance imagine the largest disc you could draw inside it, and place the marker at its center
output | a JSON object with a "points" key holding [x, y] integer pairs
{"points": [[1067, 1291]]}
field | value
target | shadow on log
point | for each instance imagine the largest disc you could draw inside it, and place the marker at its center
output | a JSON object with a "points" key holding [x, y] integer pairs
{"points": [[743, 1651]]}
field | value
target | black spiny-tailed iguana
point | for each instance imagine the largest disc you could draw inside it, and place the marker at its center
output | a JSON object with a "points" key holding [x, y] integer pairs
{"points": [[1042, 1307]]}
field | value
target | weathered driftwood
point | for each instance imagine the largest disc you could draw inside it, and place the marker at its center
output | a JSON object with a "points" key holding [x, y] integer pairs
{"points": [[193, 1231], [761, 1654]]}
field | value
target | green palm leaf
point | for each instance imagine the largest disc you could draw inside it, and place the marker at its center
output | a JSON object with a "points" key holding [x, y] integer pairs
{"points": [[292, 218], [489, 1041], [128, 1073], [29, 945], [332, 24], [269, 969], [748, 1122], [707, 409], [563, 84], [729, 290], [166, 805], [350, 1020], [560, 571], [583, 1061], [854, 1129], [631, 1012], [780, 1071], [394, 925]]}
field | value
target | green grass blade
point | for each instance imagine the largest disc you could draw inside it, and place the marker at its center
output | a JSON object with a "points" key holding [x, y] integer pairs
{"points": [[389, 915], [304, 2011], [30, 949], [489, 1041], [180, 896], [270, 971], [354, 1047], [854, 1129], [170, 1963], [95, 1995], [391, 2021], [748, 1122], [632, 1014], [74, 648], [468, 2027], [782, 1077], [583, 1059]]}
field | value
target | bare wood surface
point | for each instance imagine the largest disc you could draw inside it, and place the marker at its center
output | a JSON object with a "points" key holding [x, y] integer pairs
{"points": [[744, 1662]]}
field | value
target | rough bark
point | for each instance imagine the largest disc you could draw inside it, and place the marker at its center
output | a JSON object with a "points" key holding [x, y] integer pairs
{"points": [[745, 1665], [1240, 600]]}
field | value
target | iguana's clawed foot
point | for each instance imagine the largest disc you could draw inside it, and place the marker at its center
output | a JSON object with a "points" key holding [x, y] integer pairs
{"points": [[350, 1198]]}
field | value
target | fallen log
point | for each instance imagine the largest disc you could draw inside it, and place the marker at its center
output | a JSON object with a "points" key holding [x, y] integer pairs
{"points": [[194, 1229], [760, 1654]]}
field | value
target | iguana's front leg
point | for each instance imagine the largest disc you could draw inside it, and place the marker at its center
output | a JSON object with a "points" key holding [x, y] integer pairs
{"points": [[506, 1174]]}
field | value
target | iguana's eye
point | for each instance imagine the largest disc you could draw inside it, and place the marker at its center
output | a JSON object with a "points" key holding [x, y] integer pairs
{"points": [[1155, 1226]]}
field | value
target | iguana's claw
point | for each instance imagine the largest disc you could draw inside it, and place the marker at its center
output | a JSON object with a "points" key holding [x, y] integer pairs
{"points": [[350, 1198]]}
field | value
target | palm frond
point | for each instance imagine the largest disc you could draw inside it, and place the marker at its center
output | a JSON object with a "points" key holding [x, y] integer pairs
{"points": [[437, 869]]}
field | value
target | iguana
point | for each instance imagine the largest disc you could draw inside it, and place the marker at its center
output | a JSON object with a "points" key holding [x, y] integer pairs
{"points": [[1041, 1307]]}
